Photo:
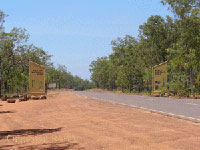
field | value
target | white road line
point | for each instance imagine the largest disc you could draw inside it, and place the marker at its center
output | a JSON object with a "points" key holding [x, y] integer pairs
{"points": [[191, 118], [171, 114], [192, 104], [183, 116], [147, 109]]}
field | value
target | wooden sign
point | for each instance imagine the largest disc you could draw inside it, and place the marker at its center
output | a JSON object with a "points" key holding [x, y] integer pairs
{"points": [[36, 79], [159, 76], [52, 85]]}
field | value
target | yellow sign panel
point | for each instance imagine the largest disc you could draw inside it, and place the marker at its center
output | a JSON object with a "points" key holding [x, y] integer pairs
{"points": [[159, 74], [36, 79]]}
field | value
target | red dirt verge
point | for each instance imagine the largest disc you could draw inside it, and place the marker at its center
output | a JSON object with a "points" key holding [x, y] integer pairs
{"points": [[67, 121]]}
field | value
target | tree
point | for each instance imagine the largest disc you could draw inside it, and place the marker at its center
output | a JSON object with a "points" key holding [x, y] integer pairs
{"points": [[15, 54], [100, 74], [183, 8], [184, 55], [176, 40]]}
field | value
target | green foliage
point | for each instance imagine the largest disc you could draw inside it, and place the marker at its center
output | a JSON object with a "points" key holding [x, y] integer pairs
{"points": [[64, 79], [15, 55], [100, 74], [176, 40]]}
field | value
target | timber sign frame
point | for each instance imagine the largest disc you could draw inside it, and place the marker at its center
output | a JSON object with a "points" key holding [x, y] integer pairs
{"points": [[159, 77], [36, 79]]}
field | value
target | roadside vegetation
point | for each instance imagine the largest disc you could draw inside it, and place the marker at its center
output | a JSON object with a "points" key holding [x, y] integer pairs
{"points": [[174, 39], [15, 54]]}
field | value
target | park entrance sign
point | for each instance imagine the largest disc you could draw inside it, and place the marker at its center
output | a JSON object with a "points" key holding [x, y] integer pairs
{"points": [[36, 79], [159, 77]]}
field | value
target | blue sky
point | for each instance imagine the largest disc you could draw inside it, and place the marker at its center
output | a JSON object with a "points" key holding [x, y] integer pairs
{"points": [[76, 32]]}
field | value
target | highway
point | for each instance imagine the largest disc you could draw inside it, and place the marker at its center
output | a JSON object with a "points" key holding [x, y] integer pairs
{"points": [[181, 108]]}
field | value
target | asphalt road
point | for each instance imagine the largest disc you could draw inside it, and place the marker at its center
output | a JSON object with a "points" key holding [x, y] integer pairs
{"points": [[181, 108]]}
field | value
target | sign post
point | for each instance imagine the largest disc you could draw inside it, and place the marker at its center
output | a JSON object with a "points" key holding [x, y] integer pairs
{"points": [[36, 79], [159, 77]]}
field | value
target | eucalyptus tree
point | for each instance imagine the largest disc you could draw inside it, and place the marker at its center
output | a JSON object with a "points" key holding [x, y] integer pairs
{"points": [[184, 55]]}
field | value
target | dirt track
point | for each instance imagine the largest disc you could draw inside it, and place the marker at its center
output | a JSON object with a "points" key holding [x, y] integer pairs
{"points": [[68, 121]]}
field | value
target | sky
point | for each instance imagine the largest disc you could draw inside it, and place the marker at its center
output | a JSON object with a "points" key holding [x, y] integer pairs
{"points": [[76, 32]]}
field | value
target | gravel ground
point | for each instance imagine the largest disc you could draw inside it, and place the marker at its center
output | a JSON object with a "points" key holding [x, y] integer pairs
{"points": [[68, 121]]}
